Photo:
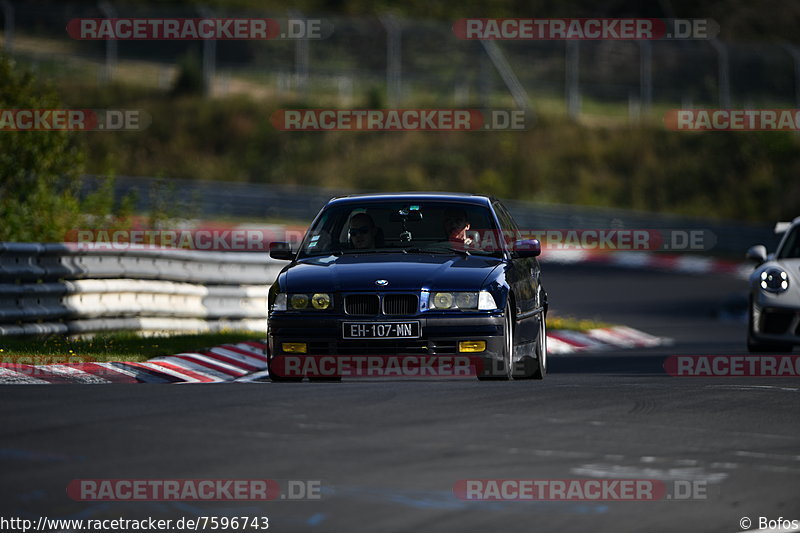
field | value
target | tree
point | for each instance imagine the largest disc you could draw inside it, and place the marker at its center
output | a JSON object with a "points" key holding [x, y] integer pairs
{"points": [[39, 170]]}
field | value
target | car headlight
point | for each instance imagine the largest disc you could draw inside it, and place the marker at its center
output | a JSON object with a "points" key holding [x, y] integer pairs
{"points": [[442, 300], [280, 302], [298, 301], [319, 301], [463, 300], [774, 280], [467, 300]]}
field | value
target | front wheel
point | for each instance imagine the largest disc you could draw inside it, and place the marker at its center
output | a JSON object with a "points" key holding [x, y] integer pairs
{"points": [[541, 349], [503, 369]]}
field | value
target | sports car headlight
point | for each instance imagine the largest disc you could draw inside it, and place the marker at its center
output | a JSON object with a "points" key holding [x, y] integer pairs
{"points": [[774, 280], [280, 302]]}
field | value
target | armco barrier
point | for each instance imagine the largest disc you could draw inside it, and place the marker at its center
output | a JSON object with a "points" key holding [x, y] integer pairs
{"points": [[65, 288]]}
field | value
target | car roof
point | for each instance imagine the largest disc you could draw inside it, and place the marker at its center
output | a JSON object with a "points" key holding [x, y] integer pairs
{"points": [[466, 198]]}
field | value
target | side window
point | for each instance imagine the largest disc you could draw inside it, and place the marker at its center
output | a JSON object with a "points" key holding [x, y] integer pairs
{"points": [[507, 224]]}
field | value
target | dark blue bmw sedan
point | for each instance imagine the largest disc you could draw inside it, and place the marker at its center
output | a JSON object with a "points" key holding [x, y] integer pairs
{"points": [[433, 275]]}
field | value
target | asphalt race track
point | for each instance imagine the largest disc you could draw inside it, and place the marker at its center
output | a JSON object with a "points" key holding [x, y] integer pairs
{"points": [[388, 453]]}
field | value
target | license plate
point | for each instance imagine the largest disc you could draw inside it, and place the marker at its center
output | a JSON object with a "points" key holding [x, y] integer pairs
{"points": [[380, 330]]}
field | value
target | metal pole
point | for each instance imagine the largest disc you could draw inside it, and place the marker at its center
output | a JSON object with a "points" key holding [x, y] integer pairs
{"points": [[8, 16], [393, 60], [646, 75], [572, 67], [209, 56], [795, 53], [724, 74], [507, 74], [484, 82], [111, 44]]}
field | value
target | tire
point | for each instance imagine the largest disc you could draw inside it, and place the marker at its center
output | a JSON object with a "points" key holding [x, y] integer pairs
{"points": [[755, 346], [505, 367], [541, 349]]}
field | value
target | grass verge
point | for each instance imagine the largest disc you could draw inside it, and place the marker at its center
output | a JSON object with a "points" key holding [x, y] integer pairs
{"points": [[575, 324]]}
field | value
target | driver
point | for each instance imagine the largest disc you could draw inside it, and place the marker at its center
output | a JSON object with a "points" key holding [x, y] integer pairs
{"points": [[361, 230], [456, 226]]}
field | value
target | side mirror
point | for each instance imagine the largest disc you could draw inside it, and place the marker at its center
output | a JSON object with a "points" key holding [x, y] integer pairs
{"points": [[281, 250], [527, 248], [757, 254]]}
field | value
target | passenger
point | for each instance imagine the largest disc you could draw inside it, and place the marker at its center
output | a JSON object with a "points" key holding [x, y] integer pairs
{"points": [[362, 231]]}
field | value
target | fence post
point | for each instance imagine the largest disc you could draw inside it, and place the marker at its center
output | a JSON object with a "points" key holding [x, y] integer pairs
{"points": [[393, 60], [794, 51], [8, 16], [724, 73], [301, 60], [209, 56], [572, 69], [646, 75], [111, 44]]}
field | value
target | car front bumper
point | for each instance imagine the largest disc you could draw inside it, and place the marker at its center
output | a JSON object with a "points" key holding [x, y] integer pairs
{"points": [[439, 336], [773, 323]]}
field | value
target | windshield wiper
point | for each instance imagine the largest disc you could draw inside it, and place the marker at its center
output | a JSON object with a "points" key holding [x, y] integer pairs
{"points": [[437, 250], [365, 251]]}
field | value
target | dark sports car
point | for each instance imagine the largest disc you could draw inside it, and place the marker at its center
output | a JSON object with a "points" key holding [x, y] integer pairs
{"points": [[413, 274]]}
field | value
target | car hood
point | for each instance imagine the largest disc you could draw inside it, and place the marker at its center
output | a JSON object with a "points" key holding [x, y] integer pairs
{"points": [[359, 272]]}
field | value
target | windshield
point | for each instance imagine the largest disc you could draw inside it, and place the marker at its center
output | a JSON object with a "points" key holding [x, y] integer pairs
{"points": [[409, 227], [791, 245]]}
